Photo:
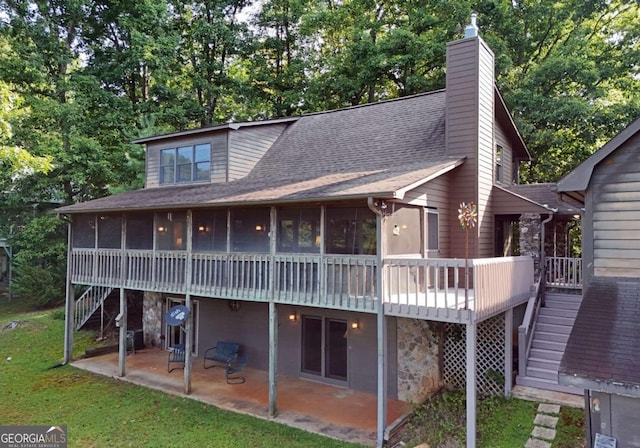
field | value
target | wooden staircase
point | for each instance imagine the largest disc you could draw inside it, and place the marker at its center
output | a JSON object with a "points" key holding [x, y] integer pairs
{"points": [[552, 329]]}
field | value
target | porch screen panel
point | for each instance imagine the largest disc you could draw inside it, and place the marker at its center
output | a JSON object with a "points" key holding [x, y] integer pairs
{"points": [[140, 231], [84, 231], [350, 230], [171, 231], [250, 229], [109, 231], [210, 230], [403, 230], [298, 230]]}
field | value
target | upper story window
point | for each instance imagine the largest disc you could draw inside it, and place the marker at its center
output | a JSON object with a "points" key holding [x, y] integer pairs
{"points": [[185, 164], [499, 168]]}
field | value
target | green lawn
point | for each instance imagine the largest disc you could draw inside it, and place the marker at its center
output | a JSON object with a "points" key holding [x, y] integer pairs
{"points": [[100, 411]]}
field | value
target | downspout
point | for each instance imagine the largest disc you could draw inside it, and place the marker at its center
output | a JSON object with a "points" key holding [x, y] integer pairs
{"points": [[381, 326]]}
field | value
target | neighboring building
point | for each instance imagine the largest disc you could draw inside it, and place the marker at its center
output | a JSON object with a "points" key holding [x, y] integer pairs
{"points": [[328, 245], [603, 353]]}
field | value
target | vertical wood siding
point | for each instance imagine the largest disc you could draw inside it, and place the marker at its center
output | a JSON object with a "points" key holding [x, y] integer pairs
{"points": [[248, 145], [507, 154], [615, 195]]}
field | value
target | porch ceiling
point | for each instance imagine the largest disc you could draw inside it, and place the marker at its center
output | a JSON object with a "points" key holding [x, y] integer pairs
{"points": [[331, 411]]}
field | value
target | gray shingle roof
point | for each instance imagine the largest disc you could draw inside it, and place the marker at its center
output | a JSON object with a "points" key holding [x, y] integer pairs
{"points": [[546, 195], [604, 345], [370, 150]]}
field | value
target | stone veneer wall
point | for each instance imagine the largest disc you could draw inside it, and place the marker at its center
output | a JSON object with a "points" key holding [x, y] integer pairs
{"points": [[530, 238], [152, 308], [418, 369]]}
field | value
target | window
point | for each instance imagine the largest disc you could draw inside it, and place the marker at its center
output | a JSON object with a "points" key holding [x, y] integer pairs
{"points": [[250, 229], [299, 230], [350, 230], [84, 231], [499, 169], [432, 230], [210, 230], [185, 164]]}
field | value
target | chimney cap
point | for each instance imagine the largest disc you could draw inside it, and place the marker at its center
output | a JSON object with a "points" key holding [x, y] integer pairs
{"points": [[471, 30]]}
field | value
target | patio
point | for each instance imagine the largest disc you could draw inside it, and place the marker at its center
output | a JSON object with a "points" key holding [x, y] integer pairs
{"points": [[332, 411]]}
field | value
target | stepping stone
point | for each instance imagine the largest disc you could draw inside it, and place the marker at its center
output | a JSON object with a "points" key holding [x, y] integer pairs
{"points": [[543, 433], [548, 421], [546, 408], [537, 443]]}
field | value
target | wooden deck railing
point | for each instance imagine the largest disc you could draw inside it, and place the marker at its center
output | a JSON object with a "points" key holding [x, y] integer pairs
{"points": [[563, 272], [411, 285]]}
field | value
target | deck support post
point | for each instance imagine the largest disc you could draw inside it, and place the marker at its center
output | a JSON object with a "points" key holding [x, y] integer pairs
{"points": [[121, 321], [69, 306], [508, 351], [188, 342], [273, 359], [188, 327], [471, 383], [381, 322]]}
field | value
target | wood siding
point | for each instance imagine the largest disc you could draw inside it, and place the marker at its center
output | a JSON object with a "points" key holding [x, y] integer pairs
{"points": [[470, 123], [218, 143], [507, 155], [248, 145], [614, 196]]}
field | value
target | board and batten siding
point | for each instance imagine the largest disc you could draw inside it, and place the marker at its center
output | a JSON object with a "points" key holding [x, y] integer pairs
{"points": [[469, 133], [218, 143], [247, 145], [614, 199]]}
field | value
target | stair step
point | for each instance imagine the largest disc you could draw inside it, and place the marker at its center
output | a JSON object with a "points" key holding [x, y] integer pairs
{"points": [[558, 312], [553, 328], [564, 297], [546, 384], [541, 363], [548, 374], [561, 304], [548, 345], [540, 353], [553, 337], [555, 320]]}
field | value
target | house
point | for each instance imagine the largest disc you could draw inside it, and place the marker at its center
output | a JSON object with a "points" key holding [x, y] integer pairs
{"points": [[328, 245], [602, 356], [5, 257]]}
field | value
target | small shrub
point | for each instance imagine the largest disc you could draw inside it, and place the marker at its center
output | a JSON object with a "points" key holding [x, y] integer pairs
{"points": [[58, 314]]}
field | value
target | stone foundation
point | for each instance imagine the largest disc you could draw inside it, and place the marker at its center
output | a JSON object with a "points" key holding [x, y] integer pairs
{"points": [[418, 370], [530, 239], [152, 309]]}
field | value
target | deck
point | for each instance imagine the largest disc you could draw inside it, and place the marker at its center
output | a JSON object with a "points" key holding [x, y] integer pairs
{"points": [[450, 290]]}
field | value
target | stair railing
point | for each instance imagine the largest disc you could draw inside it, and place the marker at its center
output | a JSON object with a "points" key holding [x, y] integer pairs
{"points": [[88, 303], [526, 330]]}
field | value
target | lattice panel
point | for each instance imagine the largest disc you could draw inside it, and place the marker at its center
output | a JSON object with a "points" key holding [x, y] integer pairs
{"points": [[489, 356]]}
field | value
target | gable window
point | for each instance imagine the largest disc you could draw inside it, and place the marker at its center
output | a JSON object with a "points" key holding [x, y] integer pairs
{"points": [[185, 164]]}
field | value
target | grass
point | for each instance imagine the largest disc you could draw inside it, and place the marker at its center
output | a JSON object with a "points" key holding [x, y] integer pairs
{"points": [[100, 411]]}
